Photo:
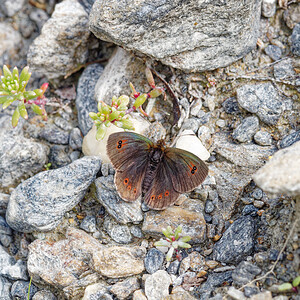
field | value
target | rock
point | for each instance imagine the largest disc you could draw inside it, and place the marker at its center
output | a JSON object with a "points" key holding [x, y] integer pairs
{"points": [[237, 241], [44, 295], [280, 175], [272, 50], [189, 142], [159, 31], [290, 139], [55, 135], [19, 158], [119, 233], [5, 287], [97, 291], [295, 47], [250, 291], [75, 139], [235, 294], [180, 295], [250, 210], [244, 273], [123, 212], [291, 15], [19, 290], [263, 138], [117, 261], [267, 295], [85, 97], [204, 135], [4, 228], [246, 130], [136, 232], [209, 207], [231, 106], [10, 268], [191, 125], [10, 40], [268, 8], [49, 194], [157, 285], [173, 267], [188, 215], [123, 289], [195, 107], [58, 156], [39, 16], [154, 260], [139, 295], [10, 8], [63, 42], [194, 261], [4, 198], [213, 281], [88, 224], [262, 100], [284, 70], [64, 263]]}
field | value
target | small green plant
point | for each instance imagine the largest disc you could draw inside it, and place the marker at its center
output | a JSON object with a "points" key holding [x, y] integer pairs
{"points": [[118, 112], [13, 88], [285, 287], [173, 241]]}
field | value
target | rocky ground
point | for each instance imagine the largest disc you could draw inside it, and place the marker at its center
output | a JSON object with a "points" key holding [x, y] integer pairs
{"points": [[63, 225]]}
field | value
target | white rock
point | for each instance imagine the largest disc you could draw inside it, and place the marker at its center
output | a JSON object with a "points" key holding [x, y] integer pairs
{"points": [[92, 147], [189, 142], [10, 39], [196, 106], [236, 294], [157, 285], [139, 295], [268, 8]]}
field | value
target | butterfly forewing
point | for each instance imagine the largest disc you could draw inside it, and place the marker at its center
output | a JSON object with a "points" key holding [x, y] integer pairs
{"points": [[161, 193], [189, 170]]}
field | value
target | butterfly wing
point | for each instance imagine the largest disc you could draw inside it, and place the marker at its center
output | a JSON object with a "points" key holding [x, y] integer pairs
{"points": [[188, 170], [161, 193], [128, 153]]}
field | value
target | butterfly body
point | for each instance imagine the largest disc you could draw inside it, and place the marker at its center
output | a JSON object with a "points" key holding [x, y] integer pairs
{"points": [[158, 173]]}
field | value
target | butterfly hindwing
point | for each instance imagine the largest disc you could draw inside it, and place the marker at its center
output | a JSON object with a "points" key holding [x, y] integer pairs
{"points": [[189, 171], [161, 193]]}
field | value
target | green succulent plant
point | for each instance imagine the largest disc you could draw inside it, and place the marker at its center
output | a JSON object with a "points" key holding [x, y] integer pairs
{"points": [[173, 241], [290, 286], [13, 88]]}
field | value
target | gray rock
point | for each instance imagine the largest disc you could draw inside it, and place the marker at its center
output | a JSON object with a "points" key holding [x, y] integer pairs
{"points": [[3, 202], [136, 232], [250, 291], [19, 290], [97, 291], [25, 25], [74, 155], [289, 139], [11, 268], [263, 138], [250, 210], [5, 287], [123, 289], [273, 51], [54, 134], [295, 47], [11, 8], [6, 240], [119, 233], [63, 124], [213, 281], [231, 106], [75, 140], [257, 193], [268, 8], [88, 224], [246, 130], [192, 124], [280, 175], [19, 158], [85, 98], [58, 156], [154, 260], [262, 100], [173, 267], [87, 4], [63, 42], [209, 207], [167, 31], [284, 69], [157, 285], [123, 212], [4, 228], [245, 272], [237, 241], [39, 16], [44, 295], [40, 202]]}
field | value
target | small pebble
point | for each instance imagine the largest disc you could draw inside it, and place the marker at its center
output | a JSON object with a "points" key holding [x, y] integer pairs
{"points": [[274, 52], [290, 139], [136, 232], [88, 224], [246, 130], [258, 203], [263, 138], [247, 200], [268, 8], [221, 123], [250, 291], [235, 293], [250, 210], [257, 193], [209, 207], [231, 106], [75, 139], [295, 47]]}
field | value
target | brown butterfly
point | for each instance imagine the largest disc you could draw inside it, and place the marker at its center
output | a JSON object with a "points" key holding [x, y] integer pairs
{"points": [[158, 173]]}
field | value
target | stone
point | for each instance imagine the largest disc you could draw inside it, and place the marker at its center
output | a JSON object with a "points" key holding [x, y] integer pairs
{"points": [[191, 219], [88, 224], [63, 42], [54, 134], [139, 295], [19, 290], [58, 156], [10, 8], [5, 287], [188, 141], [244, 273], [85, 97], [295, 47], [235, 294], [246, 130], [291, 15], [10, 268], [167, 31], [136, 232], [63, 123], [4, 228], [122, 290], [44, 295], [194, 262], [263, 138], [4, 198], [191, 124], [209, 207], [119, 261], [280, 175], [268, 8], [49, 194], [231, 106], [250, 210], [267, 295], [262, 100], [97, 291], [284, 70], [273, 51], [250, 291], [289, 139], [119, 233], [10, 40], [39, 16], [157, 285], [237, 241], [154, 260], [75, 139]]}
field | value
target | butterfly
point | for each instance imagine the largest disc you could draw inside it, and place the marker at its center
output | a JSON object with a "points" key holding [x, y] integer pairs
{"points": [[158, 173]]}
